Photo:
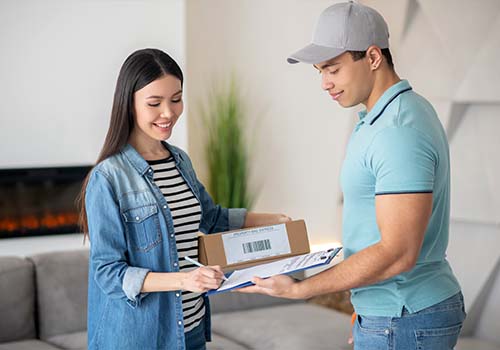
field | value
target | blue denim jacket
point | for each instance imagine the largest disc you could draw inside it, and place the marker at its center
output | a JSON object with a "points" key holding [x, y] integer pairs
{"points": [[131, 233]]}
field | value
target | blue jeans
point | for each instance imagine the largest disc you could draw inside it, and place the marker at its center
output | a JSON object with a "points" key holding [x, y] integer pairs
{"points": [[434, 328], [195, 338]]}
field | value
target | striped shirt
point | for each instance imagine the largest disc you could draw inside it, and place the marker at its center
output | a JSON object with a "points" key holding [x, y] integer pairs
{"points": [[186, 214]]}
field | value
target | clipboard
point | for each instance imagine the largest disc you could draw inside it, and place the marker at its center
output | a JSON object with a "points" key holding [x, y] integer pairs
{"points": [[242, 278]]}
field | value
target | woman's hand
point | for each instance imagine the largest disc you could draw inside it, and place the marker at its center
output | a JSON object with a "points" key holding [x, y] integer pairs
{"points": [[202, 279], [260, 219]]}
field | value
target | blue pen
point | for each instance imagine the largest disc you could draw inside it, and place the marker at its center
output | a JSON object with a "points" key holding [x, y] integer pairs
{"points": [[200, 265]]}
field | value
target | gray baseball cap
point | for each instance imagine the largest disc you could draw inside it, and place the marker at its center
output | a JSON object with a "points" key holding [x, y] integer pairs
{"points": [[346, 26]]}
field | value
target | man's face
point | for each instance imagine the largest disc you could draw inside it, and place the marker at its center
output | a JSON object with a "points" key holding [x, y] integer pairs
{"points": [[347, 81]]}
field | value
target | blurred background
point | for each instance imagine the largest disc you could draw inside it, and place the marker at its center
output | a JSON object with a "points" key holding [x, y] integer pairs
{"points": [[59, 60]]}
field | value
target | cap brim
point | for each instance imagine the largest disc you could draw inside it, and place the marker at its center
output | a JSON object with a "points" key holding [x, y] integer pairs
{"points": [[314, 54]]}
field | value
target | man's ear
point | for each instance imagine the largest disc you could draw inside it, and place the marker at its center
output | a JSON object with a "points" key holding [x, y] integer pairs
{"points": [[374, 55]]}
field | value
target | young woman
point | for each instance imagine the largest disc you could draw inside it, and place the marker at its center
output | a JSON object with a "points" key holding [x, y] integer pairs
{"points": [[142, 208]]}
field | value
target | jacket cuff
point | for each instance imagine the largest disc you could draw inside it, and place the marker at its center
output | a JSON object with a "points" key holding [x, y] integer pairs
{"points": [[236, 218], [132, 285]]}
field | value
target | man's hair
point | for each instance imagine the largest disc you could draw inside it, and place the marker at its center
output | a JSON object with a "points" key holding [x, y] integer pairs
{"points": [[357, 55]]}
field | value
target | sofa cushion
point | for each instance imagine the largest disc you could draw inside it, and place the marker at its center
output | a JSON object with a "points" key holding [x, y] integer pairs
{"points": [[27, 345], [17, 299], [469, 343], [70, 341], [227, 302], [294, 326], [61, 281], [221, 343]]}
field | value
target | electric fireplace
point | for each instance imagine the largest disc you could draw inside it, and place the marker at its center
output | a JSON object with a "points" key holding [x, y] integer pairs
{"points": [[39, 201]]}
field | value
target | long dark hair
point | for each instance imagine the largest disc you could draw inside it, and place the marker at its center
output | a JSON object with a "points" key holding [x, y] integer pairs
{"points": [[139, 69]]}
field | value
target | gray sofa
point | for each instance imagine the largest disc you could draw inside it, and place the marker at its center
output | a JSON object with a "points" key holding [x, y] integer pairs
{"points": [[43, 304]]}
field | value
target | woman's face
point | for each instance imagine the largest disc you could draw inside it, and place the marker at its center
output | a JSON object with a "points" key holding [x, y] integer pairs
{"points": [[157, 107]]}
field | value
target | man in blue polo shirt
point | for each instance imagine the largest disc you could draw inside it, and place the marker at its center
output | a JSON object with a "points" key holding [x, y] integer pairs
{"points": [[396, 184]]}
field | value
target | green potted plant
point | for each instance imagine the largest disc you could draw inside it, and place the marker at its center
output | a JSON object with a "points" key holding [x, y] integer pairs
{"points": [[226, 151]]}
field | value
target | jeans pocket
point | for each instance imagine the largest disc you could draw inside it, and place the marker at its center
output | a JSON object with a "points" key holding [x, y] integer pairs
{"points": [[371, 333], [143, 227], [438, 338], [374, 325]]}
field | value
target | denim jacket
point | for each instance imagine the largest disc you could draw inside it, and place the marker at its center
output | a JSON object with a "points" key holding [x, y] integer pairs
{"points": [[131, 233]]}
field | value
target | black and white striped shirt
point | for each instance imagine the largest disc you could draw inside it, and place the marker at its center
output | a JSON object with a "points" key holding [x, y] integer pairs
{"points": [[186, 214]]}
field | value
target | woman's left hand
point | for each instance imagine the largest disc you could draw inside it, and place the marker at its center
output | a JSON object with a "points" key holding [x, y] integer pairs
{"points": [[265, 219]]}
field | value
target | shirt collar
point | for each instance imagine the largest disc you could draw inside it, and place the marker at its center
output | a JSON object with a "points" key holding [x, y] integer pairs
{"points": [[387, 97], [140, 164]]}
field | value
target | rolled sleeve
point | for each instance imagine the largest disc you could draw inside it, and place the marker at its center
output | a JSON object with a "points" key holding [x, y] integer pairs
{"points": [[236, 218], [132, 284]]}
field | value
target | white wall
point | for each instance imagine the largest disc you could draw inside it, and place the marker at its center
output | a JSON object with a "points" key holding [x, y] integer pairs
{"points": [[297, 133], [58, 67], [59, 61]]}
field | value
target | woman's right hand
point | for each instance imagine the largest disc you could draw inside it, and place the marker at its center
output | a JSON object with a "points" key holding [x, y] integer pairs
{"points": [[202, 279]]}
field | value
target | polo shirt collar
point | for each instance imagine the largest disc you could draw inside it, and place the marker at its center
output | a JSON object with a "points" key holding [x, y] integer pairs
{"points": [[387, 97]]}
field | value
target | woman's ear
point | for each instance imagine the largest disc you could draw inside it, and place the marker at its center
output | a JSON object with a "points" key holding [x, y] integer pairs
{"points": [[374, 55]]}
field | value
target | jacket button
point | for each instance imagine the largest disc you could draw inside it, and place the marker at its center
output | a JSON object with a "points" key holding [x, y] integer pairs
{"points": [[172, 235], [164, 207], [177, 295], [175, 264], [180, 322], [137, 218]]}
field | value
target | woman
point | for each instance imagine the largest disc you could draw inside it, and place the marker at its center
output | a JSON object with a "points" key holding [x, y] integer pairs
{"points": [[143, 207]]}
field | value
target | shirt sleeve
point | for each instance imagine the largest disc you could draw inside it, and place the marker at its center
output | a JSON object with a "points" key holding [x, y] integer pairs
{"points": [[108, 245], [403, 160]]}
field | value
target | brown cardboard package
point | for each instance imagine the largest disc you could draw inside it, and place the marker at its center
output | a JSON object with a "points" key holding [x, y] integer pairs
{"points": [[212, 247]]}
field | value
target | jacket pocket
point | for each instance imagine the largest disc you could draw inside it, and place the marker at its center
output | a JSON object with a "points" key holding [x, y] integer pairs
{"points": [[143, 227]]}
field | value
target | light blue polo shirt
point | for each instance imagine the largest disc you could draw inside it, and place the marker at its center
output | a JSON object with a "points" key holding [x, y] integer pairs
{"points": [[399, 147]]}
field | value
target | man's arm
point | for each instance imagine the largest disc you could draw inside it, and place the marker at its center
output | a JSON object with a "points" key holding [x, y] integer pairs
{"points": [[402, 220]]}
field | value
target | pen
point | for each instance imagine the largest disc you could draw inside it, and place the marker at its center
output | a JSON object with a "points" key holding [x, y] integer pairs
{"points": [[200, 265]]}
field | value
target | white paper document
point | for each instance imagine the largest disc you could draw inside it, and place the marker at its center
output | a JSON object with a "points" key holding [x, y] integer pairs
{"points": [[256, 243], [241, 278]]}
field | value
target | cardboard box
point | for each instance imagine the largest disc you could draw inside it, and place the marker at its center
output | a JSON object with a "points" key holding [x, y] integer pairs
{"points": [[252, 246]]}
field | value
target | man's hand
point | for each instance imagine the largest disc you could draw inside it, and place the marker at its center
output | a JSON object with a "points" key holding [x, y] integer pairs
{"points": [[277, 286]]}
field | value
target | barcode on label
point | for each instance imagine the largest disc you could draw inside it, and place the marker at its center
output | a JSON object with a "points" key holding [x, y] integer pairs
{"points": [[256, 246]]}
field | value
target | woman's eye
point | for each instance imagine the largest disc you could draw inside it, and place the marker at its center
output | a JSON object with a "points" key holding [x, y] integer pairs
{"points": [[153, 104], [177, 101], [334, 71]]}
